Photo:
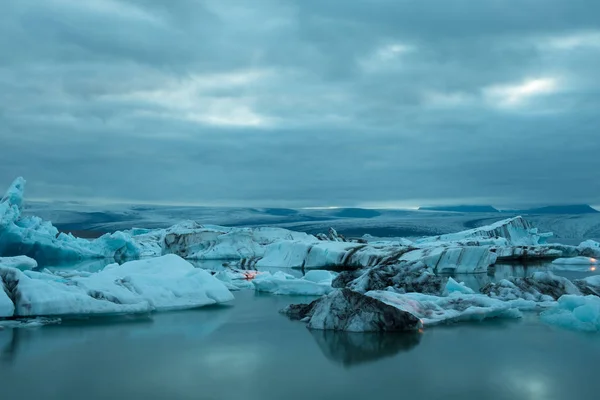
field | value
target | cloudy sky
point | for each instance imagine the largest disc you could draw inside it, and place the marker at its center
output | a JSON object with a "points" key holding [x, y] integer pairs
{"points": [[302, 102]]}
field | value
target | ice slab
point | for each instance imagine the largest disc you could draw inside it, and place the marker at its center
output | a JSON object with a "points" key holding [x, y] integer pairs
{"points": [[576, 263], [157, 284], [285, 284], [20, 262], [457, 306], [580, 313]]}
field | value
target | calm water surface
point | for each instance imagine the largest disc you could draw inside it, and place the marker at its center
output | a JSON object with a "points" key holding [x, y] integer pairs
{"points": [[248, 351]]}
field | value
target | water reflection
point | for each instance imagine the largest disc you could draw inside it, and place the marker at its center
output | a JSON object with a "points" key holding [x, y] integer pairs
{"points": [[20, 343], [351, 349]]}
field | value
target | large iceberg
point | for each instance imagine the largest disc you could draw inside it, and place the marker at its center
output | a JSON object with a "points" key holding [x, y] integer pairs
{"points": [[457, 306], [509, 232], [346, 310], [40, 240], [158, 284]]}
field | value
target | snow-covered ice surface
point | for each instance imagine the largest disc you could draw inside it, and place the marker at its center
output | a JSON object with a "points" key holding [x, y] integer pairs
{"points": [[580, 313], [158, 284]]}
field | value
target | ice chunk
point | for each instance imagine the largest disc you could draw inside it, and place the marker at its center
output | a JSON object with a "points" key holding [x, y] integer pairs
{"points": [[576, 263], [542, 287], [580, 313], [282, 283], [589, 248], [346, 310], [20, 262], [433, 310], [403, 277], [320, 276], [453, 286], [163, 283], [236, 280]]}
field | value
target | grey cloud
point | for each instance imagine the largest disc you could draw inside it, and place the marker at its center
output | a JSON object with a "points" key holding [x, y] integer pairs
{"points": [[300, 103]]}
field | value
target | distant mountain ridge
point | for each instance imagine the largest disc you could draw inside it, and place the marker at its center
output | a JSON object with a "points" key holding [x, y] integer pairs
{"points": [[462, 208], [575, 209]]}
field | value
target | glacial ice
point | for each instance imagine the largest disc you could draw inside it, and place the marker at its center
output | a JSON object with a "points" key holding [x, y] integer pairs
{"points": [[580, 313], [453, 286], [346, 310], [576, 263], [459, 260], [512, 232], [314, 284], [20, 262], [158, 284], [455, 307], [541, 287]]}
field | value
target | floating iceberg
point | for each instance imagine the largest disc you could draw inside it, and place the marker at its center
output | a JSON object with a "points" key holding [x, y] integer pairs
{"points": [[576, 263], [457, 306], [580, 313], [158, 284], [40, 240], [315, 283], [346, 310], [540, 287], [589, 248], [509, 232], [236, 280]]}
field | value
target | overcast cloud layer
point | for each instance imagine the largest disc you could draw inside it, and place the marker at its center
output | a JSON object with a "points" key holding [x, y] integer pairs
{"points": [[302, 103]]}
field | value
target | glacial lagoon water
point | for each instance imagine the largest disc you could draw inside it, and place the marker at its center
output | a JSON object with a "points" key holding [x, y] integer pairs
{"points": [[247, 350]]}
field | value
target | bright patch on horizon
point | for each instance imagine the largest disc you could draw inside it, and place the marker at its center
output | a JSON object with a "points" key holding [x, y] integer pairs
{"points": [[515, 95]]}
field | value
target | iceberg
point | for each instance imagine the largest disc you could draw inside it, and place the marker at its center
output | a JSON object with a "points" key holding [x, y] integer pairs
{"points": [[576, 263], [315, 283], [457, 306], [540, 287], [346, 310], [158, 284], [589, 248], [509, 232], [458, 260], [31, 236], [580, 313]]}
